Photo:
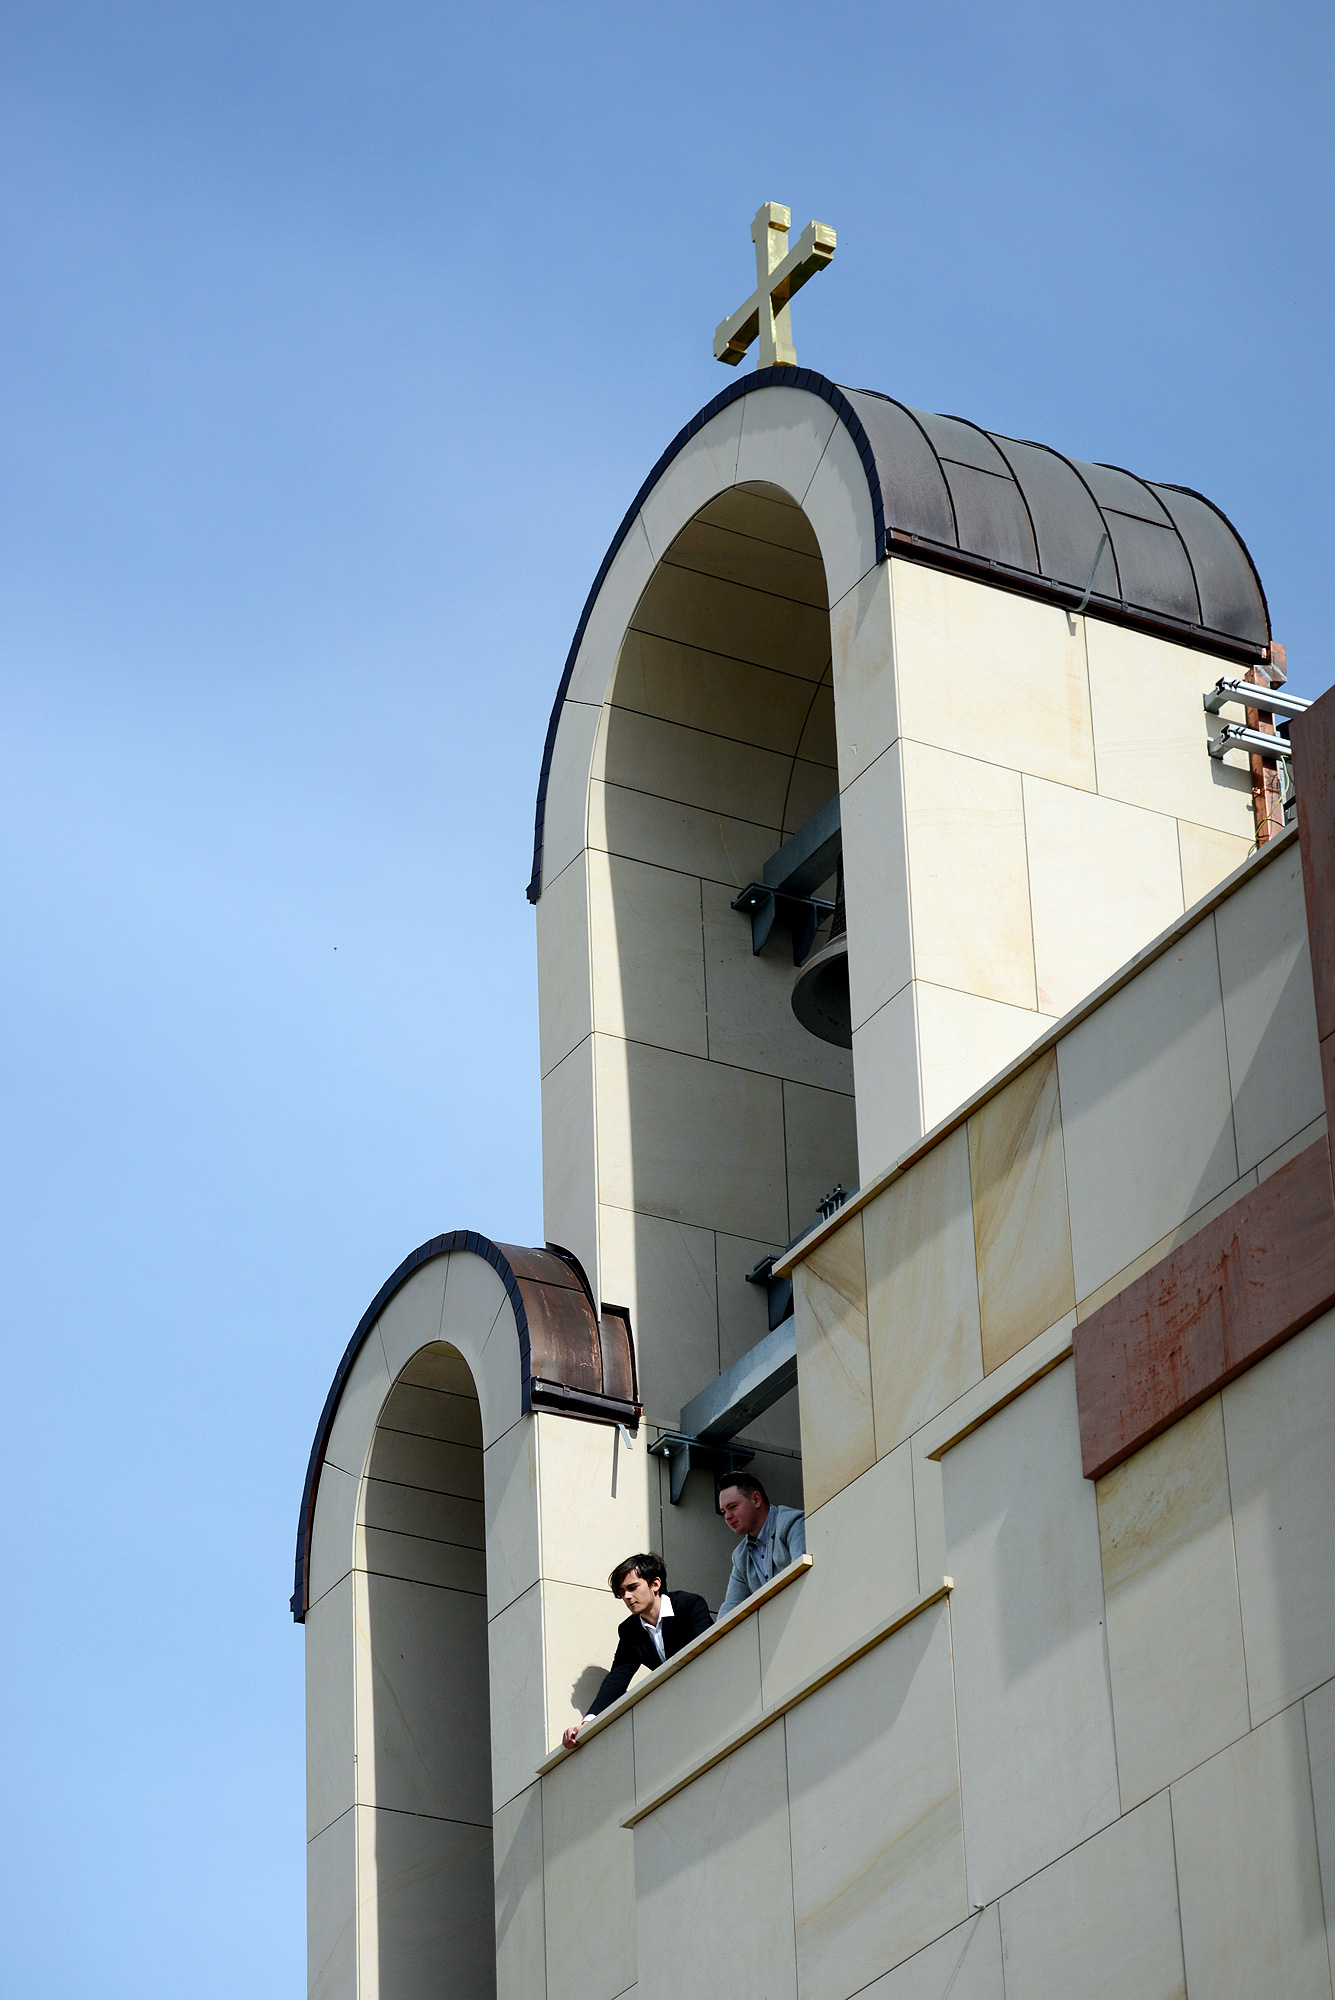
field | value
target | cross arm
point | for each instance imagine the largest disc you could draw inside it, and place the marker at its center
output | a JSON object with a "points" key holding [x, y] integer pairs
{"points": [[811, 253]]}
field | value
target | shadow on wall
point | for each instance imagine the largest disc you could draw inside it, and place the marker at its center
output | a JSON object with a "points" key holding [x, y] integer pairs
{"points": [[722, 1122]]}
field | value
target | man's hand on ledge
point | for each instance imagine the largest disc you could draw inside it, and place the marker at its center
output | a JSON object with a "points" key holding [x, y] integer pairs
{"points": [[570, 1737]]}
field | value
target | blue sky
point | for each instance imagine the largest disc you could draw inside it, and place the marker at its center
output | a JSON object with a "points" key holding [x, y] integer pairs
{"points": [[335, 342]]}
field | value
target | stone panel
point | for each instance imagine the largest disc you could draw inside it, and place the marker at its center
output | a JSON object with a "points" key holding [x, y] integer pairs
{"points": [[569, 1171], [1102, 1922], [593, 1497], [1269, 1009], [968, 884], [876, 887], [1147, 1119], [739, 622], [706, 690], [1035, 1716], [565, 1003], [843, 1595], [579, 1638], [666, 1101], [665, 1272], [1207, 858], [330, 1550], [511, 1483], [839, 507], [518, 1722], [1104, 879], [713, 1879], [421, 1666], [833, 1364], [784, 433], [686, 1716], [1247, 1873], [992, 675], [873, 1782], [672, 761], [411, 1320], [889, 1097], [1179, 1681], [1153, 754], [331, 1911], [330, 1760], [590, 1880], [648, 954], [862, 642], [821, 1148], [703, 466], [521, 1955], [964, 1040], [1279, 1421], [922, 1292], [1022, 1231], [429, 1928], [965, 1964], [671, 835]]}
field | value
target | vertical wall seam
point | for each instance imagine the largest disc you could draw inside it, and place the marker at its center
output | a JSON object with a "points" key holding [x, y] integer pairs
{"points": [[1029, 882]]}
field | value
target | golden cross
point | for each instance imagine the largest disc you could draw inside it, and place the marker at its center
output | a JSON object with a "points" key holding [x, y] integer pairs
{"points": [[779, 273]]}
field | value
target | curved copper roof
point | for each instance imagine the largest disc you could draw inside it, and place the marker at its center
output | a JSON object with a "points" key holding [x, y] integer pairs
{"points": [[1017, 515], [572, 1358]]}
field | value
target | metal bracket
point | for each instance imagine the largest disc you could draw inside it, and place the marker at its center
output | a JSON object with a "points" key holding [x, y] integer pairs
{"points": [[802, 915], [779, 1291], [1235, 736], [1253, 694], [683, 1452], [787, 879]]}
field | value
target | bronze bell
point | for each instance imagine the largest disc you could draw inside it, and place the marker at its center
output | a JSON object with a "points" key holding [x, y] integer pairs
{"points": [[820, 991], [820, 994]]}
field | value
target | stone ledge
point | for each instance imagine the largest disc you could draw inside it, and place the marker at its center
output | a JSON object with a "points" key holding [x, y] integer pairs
{"points": [[834, 1667], [700, 1644], [1029, 1364]]}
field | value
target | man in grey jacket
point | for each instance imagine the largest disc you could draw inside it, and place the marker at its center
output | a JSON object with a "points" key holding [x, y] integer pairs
{"points": [[772, 1536]]}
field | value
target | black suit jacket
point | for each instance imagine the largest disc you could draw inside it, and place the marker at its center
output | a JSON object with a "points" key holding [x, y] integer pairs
{"points": [[690, 1616]]}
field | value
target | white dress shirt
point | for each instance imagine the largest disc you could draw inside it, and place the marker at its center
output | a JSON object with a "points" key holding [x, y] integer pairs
{"points": [[655, 1631]]}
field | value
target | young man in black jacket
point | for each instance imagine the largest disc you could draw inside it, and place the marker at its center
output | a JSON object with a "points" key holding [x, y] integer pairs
{"points": [[658, 1627]]}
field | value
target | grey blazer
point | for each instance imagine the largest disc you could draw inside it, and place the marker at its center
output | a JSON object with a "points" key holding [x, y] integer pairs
{"points": [[790, 1542]]}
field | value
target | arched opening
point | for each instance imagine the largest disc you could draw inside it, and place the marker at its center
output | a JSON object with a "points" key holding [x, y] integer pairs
{"points": [[718, 746], [425, 1888]]}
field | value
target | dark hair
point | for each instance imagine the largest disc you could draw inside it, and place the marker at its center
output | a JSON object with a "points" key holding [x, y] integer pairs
{"points": [[745, 1482], [651, 1568]]}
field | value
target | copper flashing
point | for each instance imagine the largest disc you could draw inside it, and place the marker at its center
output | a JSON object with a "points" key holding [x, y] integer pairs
{"points": [[573, 1360]]}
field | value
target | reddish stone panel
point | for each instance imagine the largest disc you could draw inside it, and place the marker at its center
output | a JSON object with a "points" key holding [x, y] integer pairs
{"points": [[1218, 1304]]}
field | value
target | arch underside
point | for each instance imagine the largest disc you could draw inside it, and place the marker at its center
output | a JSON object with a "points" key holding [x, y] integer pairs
{"points": [[423, 1833], [718, 744]]}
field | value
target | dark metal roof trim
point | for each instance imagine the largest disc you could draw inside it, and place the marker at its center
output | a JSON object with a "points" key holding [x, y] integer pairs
{"points": [[1179, 568], [559, 1327]]}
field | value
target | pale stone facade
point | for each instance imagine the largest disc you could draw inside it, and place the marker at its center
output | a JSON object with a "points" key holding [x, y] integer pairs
{"points": [[1007, 1721]]}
